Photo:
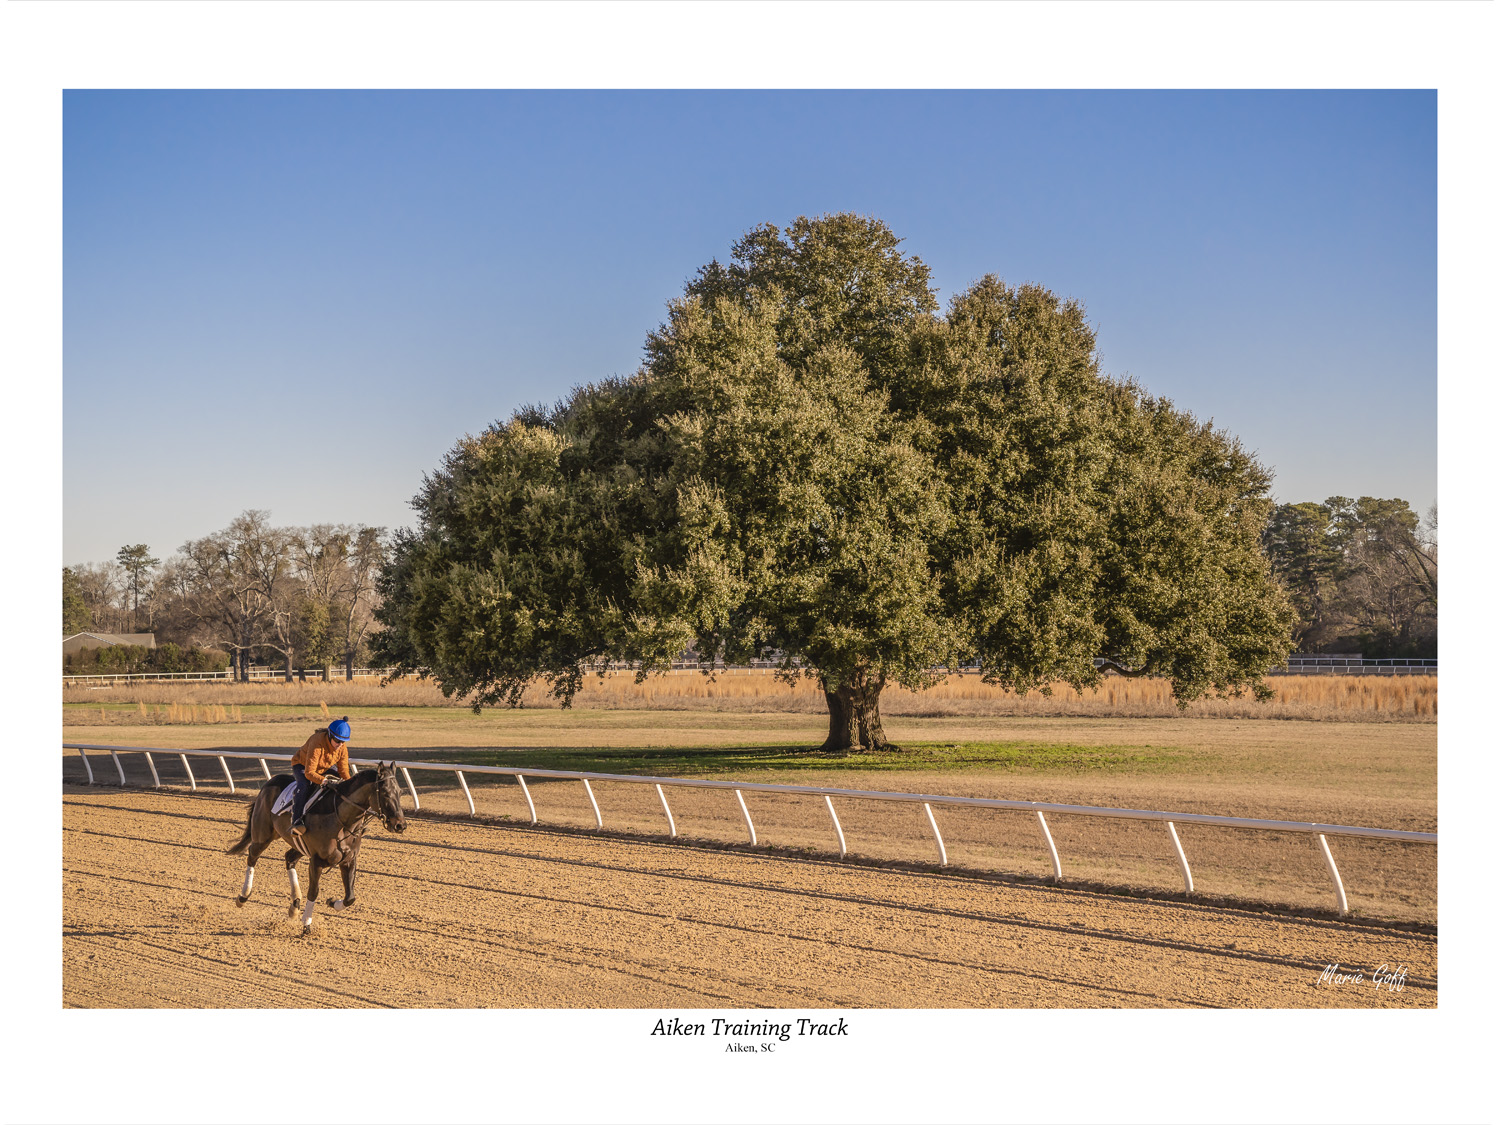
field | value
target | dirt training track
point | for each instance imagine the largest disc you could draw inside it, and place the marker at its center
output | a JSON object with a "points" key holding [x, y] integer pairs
{"points": [[457, 914]]}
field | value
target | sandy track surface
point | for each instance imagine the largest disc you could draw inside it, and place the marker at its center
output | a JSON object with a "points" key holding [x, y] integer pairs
{"points": [[475, 915]]}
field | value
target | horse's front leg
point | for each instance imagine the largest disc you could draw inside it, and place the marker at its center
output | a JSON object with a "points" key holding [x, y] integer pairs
{"points": [[291, 877], [347, 869], [315, 867]]}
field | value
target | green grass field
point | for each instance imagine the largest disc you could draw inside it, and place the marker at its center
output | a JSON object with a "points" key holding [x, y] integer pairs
{"points": [[1393, 763]]}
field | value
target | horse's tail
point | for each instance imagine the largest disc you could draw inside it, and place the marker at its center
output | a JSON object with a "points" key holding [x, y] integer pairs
{"points": [[244, 840]]}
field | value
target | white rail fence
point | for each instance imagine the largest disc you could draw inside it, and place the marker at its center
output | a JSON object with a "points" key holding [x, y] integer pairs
{"points": [[739, 788], [255, 675], [262, 674], [1296, 666]]}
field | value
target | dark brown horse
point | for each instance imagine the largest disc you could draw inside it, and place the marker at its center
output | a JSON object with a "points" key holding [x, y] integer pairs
{"points": [[336, 820]]}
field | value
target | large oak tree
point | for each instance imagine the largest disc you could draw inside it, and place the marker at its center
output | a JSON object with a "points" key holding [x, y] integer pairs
{"points": [[812, 462]]}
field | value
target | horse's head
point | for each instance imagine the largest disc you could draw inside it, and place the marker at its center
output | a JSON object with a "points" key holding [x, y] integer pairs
{"points": [[387, 802]]}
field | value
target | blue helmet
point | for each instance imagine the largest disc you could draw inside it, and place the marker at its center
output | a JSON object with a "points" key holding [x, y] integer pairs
{"points": [[339, 729]]}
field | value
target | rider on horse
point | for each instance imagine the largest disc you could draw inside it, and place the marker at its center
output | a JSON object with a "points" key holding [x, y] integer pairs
{"points": [[326, 751]]}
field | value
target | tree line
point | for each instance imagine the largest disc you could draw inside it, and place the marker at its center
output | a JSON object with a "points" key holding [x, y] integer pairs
{"points": [[1362, 575], [303, 597]]}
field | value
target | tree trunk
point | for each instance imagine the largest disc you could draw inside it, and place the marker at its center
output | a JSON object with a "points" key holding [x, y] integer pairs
{"points": [[245, 652], [288, 673], [871, 731], [843, 723], [348, 665], [854, 717]]}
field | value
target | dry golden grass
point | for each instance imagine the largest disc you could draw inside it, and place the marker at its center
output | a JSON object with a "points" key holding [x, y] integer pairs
{"points": [[1347, 698]]}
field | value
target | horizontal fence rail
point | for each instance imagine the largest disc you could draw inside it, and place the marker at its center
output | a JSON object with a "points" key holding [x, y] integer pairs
{"points": [[254, 675], [1296, 666], [1311, 664], [927, 800]]}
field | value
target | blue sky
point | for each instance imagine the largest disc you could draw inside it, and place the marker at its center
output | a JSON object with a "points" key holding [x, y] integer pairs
{"points": [[298, 301]]}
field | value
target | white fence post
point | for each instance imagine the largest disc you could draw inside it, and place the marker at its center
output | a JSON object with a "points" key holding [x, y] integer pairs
{"points": [[119, 769], [415, 800], [530, 804], [936, 835], [1051, 847], [666, 808], [229, 777], [155, 779], [193, 781], [598, 820], [746, 810], [1187, 875], [467, 795], [88, 769], [1333, 869], [843, 848], [265, 769]]}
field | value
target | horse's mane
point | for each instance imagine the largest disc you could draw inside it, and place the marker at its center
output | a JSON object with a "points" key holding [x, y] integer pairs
{"points": [[350, 784]]}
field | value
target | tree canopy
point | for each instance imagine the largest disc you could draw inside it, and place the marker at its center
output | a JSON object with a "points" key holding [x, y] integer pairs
{"points": [[1362, 574], [75, 610], [813, 464]]}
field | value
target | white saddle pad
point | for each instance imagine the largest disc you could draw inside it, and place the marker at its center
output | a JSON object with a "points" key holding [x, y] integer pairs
{"points": [[284, 801]]}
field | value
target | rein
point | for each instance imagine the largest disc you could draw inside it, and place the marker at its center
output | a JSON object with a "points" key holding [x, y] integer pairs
{"points": [[367, 813]]}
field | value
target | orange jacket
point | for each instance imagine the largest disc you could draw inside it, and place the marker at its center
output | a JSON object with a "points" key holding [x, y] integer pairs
{"points": [[318, 756]]}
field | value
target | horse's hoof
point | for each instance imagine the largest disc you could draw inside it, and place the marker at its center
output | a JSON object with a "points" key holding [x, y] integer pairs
{"points": [[291, 911]]}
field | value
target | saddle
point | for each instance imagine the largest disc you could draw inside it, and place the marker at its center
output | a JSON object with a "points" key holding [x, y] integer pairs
{"points": [[284, 799]]}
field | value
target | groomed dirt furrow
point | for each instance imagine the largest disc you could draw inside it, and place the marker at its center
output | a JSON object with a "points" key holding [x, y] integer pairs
{"points": [[466, 914]]}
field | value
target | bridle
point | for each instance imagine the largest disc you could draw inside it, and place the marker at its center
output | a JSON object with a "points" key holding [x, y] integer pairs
{"points": [[367, 813]]}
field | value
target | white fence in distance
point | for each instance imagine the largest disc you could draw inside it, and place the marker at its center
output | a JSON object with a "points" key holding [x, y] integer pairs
{"points": [[927, 801], [1297, 665], [255, 675]]}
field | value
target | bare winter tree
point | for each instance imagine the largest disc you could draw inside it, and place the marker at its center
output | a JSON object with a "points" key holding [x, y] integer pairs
{"points": [[1362, 574], [282, 585], [363, 560], [1390, 591], [320, 564], [233, 579], [338, 564], [103, 587], [173, 604]]}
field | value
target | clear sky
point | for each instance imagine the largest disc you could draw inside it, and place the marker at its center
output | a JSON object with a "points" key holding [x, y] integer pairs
{"points": [[298, 301]]}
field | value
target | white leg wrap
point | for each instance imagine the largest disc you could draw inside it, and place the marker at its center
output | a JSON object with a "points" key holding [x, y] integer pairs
{"points": [[249, 882], [307, 913], [291, 875]]}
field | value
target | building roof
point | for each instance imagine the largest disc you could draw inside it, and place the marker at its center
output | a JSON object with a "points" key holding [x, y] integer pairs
{"points": [[109, 640]]}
